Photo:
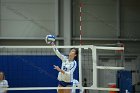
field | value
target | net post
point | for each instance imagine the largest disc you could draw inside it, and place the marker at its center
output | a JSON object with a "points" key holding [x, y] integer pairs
{"points": [[94, 57], [80, 69]]}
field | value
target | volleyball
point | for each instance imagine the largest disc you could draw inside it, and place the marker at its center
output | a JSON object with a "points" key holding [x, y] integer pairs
{"points": [[49, 39]]}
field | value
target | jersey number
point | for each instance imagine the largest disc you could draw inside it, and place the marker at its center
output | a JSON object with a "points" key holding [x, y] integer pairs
{"points": [[64, 68]]}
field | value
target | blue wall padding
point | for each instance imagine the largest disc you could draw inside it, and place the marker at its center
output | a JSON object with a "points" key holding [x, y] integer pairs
{"points": [[31, 71], [124, 81]]}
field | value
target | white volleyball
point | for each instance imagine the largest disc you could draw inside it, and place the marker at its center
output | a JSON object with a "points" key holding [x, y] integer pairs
{"points": [[50, 38]]}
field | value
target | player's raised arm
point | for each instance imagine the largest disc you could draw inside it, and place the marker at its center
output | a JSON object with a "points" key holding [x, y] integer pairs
{"points": [[61, 56], [50, 39]]}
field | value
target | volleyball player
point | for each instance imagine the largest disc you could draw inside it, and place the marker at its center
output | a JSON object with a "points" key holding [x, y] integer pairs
{"points": [[3, 83], [65, 75]]}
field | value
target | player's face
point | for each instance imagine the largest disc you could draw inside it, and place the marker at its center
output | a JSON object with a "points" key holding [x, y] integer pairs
{"points": [[1, 76], [72, 53]]}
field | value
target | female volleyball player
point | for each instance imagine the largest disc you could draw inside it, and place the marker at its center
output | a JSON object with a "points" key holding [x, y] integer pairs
{"points": [[3, 82], [67, 69]]}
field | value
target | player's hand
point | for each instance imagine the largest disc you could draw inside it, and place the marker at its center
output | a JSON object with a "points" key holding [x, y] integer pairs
{"points": [[52, 43], [58, 69]]}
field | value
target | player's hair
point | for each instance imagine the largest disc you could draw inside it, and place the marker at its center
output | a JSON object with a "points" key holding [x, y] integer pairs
{"points": [[3, 75], [76, 52]]}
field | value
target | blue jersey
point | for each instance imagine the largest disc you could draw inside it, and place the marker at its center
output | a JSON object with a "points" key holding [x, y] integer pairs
{"points": [[67, 66]]}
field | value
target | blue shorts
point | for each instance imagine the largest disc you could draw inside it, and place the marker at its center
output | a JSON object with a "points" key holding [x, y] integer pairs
{"points": [[64, 84]]}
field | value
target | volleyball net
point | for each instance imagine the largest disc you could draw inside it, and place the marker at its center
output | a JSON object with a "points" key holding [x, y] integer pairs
{"points": [[31, 68]]}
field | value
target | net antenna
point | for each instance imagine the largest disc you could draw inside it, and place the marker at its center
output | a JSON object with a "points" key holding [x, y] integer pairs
{"points": [[80, 18], [15, 50]]}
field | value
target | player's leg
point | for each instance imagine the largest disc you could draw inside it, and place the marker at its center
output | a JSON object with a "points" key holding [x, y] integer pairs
{"points": [[67, 90], [60, 90]]}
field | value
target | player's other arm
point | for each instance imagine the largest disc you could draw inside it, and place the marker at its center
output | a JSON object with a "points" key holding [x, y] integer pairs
{"points": [[58, 69], [68, 73], [62, 57]]}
